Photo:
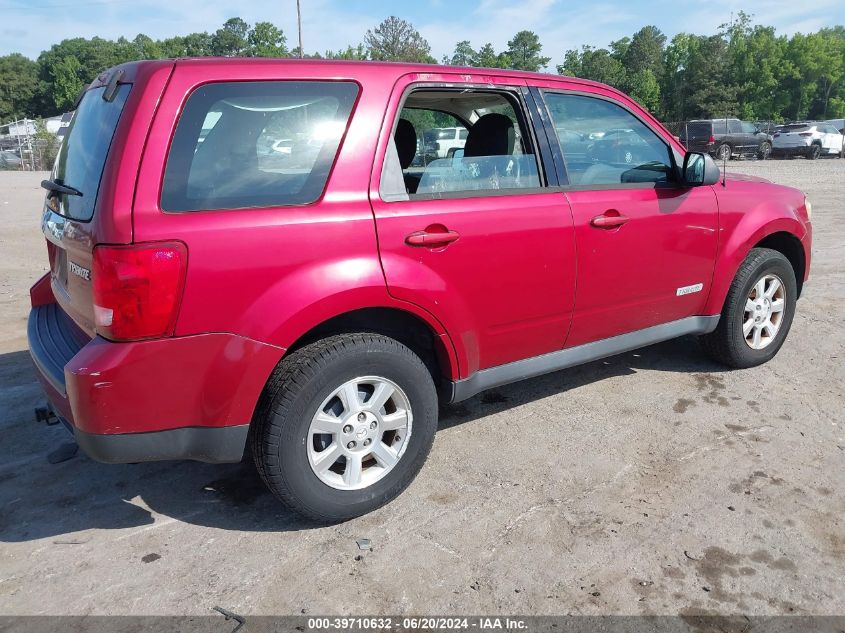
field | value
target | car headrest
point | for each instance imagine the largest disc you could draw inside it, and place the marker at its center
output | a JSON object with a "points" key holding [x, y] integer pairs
{"points": [[405, 138], [491, 135]]}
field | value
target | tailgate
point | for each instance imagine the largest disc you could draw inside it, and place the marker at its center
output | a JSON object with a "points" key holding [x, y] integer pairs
{"points": [[69, 222]]}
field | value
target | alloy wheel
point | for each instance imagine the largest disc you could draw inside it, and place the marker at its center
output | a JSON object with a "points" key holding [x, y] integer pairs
{"points": [[763, 314], [359, 433]]}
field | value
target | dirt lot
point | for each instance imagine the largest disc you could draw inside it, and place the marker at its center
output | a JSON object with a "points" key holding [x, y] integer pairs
{"points": [[652, 482]]}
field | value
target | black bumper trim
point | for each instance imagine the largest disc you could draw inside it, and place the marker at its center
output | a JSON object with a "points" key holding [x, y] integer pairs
{"points": [[53, 340], [214, 445]]}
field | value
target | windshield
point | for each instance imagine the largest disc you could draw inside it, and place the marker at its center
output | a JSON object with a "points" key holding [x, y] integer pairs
{"points": [[83, 154]]}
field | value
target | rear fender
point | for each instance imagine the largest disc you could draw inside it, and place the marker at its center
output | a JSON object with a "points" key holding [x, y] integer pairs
{"points": [[315, 294]]}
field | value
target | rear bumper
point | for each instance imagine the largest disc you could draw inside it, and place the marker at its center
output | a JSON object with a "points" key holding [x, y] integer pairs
{"points": [[213, 445], [189, 397], [791, 150]]}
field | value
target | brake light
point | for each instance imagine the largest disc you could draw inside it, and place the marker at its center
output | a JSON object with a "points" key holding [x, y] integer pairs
{"points": [[137, 289], [805, 134], [712, 139]]}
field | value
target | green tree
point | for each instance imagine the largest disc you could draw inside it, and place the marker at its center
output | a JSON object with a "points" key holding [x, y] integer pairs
{"points": [[397, 40], [358, 53], [266, 40], [66, 82], [644, 88], [706, 80], [18, 87], [231, 39], [645, 52], [191, 45], [464, 55], [487, 57], [832, 72], [597, 64], [147, 48], [674, 88], [524, 52]]}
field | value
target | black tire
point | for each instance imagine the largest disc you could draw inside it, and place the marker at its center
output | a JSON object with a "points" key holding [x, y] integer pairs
{"points": [[299, 385], [727, 343], [815, 152], [723, 152], [765, 151]]}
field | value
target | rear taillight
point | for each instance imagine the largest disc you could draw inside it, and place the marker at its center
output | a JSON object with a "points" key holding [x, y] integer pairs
{"points": [[805, 133], [776, 134], [137, 289], [712, 139]]}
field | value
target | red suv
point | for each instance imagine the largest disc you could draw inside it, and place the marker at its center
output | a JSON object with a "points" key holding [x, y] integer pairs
{"points": [[262, 253]]}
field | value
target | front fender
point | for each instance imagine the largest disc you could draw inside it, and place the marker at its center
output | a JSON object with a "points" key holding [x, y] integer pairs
{"points": [[741, 229]]}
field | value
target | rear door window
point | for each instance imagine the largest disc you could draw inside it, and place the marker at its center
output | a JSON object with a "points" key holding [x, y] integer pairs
{"points": [[256, 144], [83, 153]]}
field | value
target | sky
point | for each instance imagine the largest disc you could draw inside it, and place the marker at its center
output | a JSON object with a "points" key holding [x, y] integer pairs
{"points": [[30, 26]]}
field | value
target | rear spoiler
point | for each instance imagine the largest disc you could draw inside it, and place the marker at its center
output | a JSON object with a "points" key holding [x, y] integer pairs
{"points": [[108, 94], [111, 87]]}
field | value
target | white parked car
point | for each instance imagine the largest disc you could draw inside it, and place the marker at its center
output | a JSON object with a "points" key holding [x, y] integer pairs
{"points": [[811, 140], [440, 140]]}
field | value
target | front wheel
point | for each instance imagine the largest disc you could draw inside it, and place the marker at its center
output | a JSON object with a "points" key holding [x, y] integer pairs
{"points": [[815, 152], [758, 311], [765, 151], [345, 425]]}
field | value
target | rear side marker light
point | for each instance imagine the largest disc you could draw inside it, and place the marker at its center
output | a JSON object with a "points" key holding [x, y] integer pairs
{"points": [[712, 139], [137, 289]]}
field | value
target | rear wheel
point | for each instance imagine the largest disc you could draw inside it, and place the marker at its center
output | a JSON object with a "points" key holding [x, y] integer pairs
{"points": [[345, 425], [815, 152], [723, 152], [758, 311]]}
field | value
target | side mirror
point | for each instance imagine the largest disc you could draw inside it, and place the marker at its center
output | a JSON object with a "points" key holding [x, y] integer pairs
{"points": [[700, 169]]}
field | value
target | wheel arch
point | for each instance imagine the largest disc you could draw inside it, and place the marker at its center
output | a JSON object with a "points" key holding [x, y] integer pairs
{"points": [[785, 234], [790, 247]]}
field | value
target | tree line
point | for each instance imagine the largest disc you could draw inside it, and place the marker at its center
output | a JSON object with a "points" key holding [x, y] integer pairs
{"points": [[745, 69]]}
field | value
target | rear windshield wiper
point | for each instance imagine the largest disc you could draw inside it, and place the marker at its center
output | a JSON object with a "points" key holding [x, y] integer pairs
{"points": [[50, 185]]}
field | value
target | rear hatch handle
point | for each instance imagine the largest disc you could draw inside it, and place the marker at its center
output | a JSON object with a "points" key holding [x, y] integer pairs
{"points": [[51, 185]]}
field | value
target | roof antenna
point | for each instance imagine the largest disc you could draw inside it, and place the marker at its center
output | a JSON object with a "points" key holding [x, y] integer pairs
{"points": [[725, 155]]}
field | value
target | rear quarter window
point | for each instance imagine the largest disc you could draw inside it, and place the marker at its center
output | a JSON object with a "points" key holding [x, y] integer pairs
{"points": [[256, 144]]}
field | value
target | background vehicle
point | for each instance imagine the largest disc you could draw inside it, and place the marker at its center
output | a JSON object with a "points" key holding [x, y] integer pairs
{"points": [[205, 296], [811, 140], [9, 159], [619, 146], [440, 140], [725, 138]]}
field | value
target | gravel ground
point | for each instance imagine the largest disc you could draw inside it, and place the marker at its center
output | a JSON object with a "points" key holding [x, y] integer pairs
{"points": [[653, 482]]}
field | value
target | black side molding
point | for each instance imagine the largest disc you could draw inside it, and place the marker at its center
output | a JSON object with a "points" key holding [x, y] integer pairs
{"points": [[565, 358], [214, 445]]}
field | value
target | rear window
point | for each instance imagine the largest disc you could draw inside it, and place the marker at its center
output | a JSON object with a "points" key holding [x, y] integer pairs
{"points": [[83, 153], [795, 127], [697, 130], [256, 144]]}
